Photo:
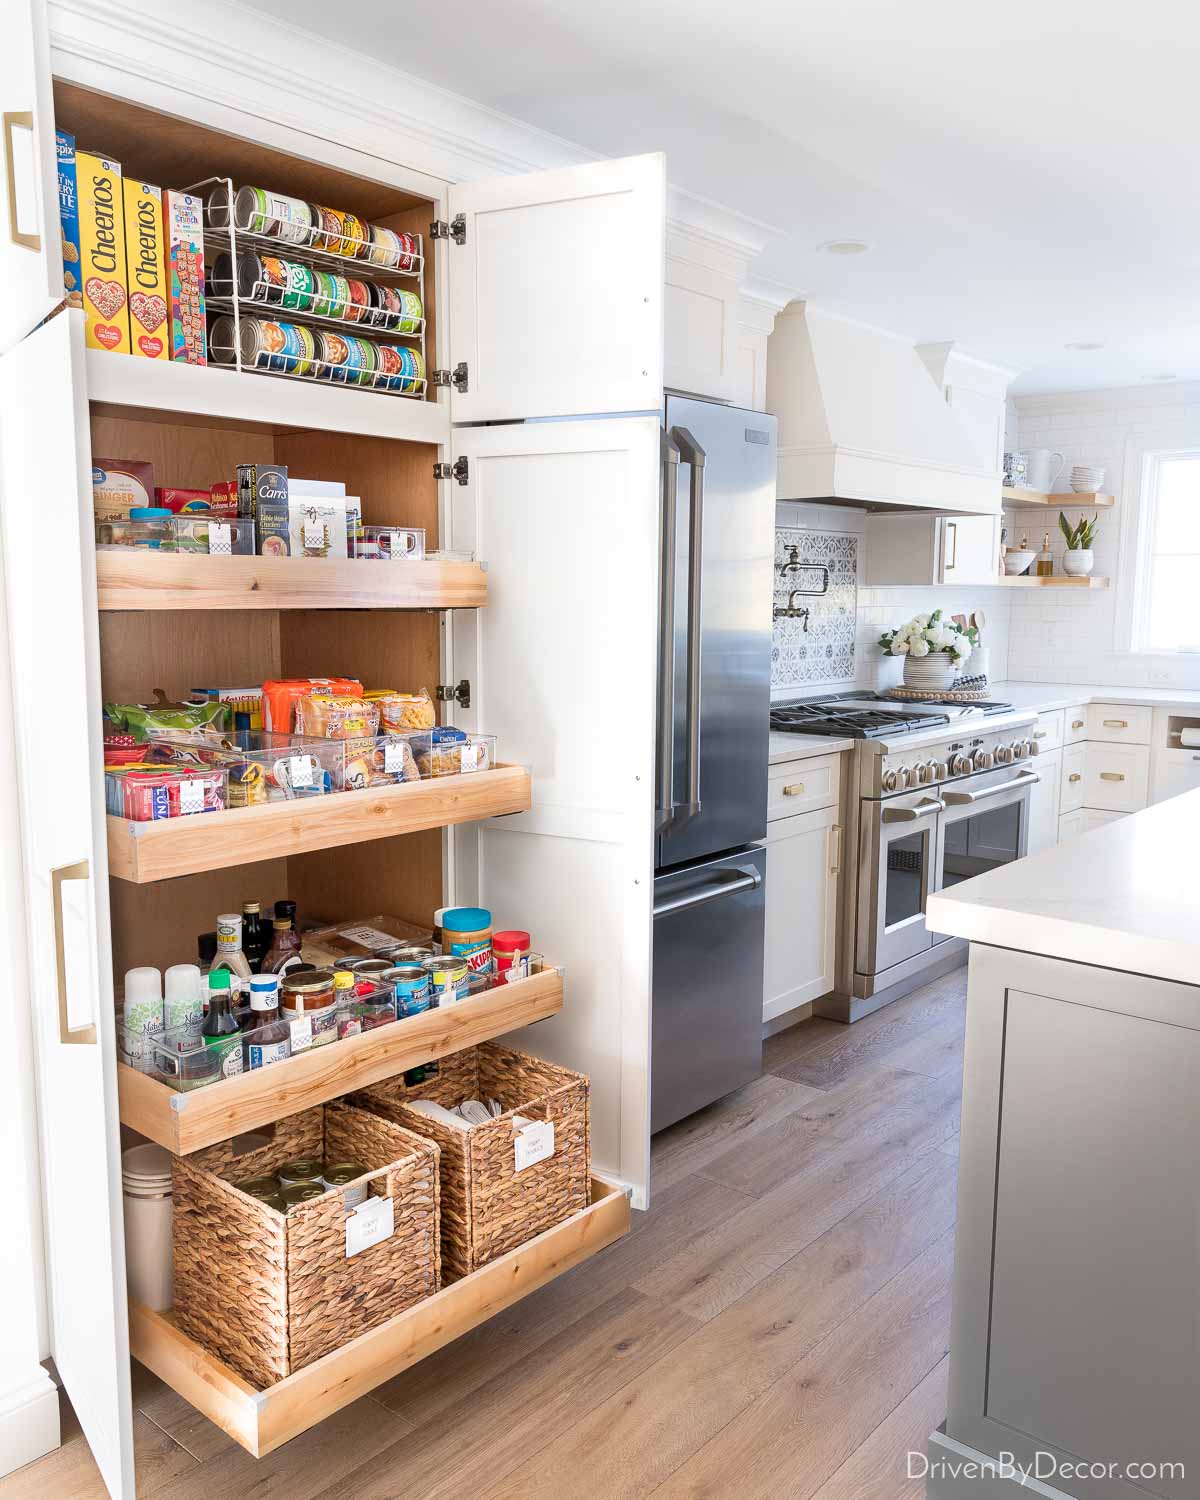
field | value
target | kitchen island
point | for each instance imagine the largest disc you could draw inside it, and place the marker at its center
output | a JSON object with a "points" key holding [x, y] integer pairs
{"points": [[1075, 1354]]}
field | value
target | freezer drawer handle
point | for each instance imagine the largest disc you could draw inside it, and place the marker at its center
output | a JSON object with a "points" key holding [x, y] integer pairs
{"points": [[726, 885], [1026, 778], [67, 1035], [923, 808]]}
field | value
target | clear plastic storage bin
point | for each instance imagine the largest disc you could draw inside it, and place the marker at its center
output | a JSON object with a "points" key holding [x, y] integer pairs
{"points": [[381, 760], [453, 751], [149, 528], [262, 767], [146, 792], [218, 536], [390, 543]]}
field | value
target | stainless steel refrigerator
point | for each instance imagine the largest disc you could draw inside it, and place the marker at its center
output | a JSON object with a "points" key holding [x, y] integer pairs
{"points": [[715, 595]]}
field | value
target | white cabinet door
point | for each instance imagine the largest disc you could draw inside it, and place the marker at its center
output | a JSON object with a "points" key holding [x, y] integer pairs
{"points": [[556, 293], [30, 253], [1043, 803], [803, 856], [49, 563], [562, 666], [970, 549], [981, 418], [1071, 777], [1116, 777]]}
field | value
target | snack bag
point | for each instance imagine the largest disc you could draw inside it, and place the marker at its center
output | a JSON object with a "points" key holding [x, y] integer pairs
{"points": [[144, 721], [281, 696], [404, 710], [332, 717]]}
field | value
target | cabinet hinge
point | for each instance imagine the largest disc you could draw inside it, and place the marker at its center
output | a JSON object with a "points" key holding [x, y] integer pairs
{"points": [[452, 693], [456, 377], [456, 230], [459, 470]]}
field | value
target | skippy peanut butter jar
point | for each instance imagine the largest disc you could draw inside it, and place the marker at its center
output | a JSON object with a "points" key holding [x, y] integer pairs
{"points": [[102, 252]]}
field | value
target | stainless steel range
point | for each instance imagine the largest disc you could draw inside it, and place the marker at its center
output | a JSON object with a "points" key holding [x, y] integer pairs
{"points": [[935, 793]]}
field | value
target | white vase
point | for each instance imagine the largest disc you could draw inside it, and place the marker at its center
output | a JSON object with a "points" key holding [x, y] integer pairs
{"points": [[1078, 562], [931, 674]]}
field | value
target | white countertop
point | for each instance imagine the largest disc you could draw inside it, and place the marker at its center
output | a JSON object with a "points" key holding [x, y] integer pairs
{"points": [[1046, 696], [785, 747], [1124, 897]]}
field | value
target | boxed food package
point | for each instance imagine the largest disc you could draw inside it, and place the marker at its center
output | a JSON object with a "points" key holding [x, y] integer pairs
{"points": [[223, 498], [102, 252], [68, 216], [183, 233], [147, 270], [120, 485], [245, 705], [183, 502], [317, 528], [258, 483], [274, 532]]}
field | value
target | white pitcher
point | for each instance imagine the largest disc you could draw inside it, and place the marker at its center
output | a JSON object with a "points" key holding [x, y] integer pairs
{"points": [[1042, 468]]}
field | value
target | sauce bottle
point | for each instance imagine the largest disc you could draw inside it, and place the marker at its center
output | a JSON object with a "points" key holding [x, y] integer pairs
{"points": [[284, 952], [220, 1023], [1044, 566], [229, 951], [256, 939]]}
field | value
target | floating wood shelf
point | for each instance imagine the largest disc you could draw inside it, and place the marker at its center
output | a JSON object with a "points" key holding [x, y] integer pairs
{"points": [[1024, 581], [161, 850], [128, 579], [261, 1420], [1068, 500], [185, 1122]]}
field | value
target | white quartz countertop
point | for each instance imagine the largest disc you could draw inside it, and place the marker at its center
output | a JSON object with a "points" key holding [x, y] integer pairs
{"points": [[1046, 696], [785, 747], [1124, 897]]}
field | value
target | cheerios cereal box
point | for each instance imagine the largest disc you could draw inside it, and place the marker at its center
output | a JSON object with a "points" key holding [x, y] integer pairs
{"points": [[68, 216], [183, 217], [102, 252], [146, 271]]}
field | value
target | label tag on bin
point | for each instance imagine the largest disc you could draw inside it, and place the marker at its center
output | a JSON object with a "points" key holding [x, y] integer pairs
{"points": [[300, 769], [393, 757], [369, 1223], [191, 797], [301, 1033], [533, 1143]]}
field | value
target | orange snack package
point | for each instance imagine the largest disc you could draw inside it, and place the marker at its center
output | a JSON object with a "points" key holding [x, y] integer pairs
{"points": [[280, 697]]}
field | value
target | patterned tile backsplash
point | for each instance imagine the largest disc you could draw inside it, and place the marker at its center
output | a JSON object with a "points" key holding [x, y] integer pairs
{"points": [[818, 647]]}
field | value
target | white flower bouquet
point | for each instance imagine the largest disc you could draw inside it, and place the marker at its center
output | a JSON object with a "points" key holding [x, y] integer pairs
{"points": [[927, 635]]}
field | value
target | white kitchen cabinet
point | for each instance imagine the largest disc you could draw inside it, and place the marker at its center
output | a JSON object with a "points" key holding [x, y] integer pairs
{"points": [[803, 869], [925, 550], [700, 329], [1116, 778], [1070, 825], [1119, 723], [1071, 783], [1044, 802], [1047, 732], [1075, 726], [976, 393], [802, 785]]}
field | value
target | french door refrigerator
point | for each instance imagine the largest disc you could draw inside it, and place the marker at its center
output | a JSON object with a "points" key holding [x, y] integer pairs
{"points": [[715, 594]]}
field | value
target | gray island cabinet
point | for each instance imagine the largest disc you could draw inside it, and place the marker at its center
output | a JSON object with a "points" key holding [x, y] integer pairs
{"points": [[1075, 1345]]}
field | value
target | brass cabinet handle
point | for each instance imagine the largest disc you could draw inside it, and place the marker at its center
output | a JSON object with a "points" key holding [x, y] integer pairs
{"points": [[1112, 775], [795, 790], [68, 1035], [836, 863], [1077, 723], [1074, 776], [16, 119], [1116, 723], [952, 546], [1040, 734]]}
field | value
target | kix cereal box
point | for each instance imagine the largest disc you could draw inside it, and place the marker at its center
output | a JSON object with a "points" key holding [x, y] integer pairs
{"points": [[183, 218], [68, 216], [146, 270], [102, 252]]}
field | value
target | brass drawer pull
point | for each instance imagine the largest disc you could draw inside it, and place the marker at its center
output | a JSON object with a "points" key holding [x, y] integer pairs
{"points": [[1074, 776], [835, 864], [1116, 723], [795, 790], [1040, 734], [1112, 775], [1077, 723]]}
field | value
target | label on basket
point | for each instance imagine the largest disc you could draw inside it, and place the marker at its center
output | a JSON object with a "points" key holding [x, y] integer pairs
{"points": [[369, 1223], [219, 538], [300, 770], [393, 757], [533, 1143], [312, 534], [301, 1033], [191, 796], [471, 757]]}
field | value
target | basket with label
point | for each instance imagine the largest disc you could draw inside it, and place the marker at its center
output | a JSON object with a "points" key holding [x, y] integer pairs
{"points": [[270, 1291], [514, 1176]]}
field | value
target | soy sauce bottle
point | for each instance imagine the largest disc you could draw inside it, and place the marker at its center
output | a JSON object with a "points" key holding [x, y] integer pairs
{"points": [[220, 1023], [255, 937]]}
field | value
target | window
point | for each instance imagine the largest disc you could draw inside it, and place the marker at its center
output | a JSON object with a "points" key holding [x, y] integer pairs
{"points": [[1167, 606]]}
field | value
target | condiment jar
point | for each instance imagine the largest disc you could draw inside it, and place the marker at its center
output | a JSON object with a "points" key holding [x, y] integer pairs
{"points": [[511, 950], [467, 934], [306, 1002]]}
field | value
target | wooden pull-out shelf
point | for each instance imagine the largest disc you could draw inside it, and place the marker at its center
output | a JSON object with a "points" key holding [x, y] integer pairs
{"points": [[261, 1420], [129, 579], [160, 850], [184, 1122]]}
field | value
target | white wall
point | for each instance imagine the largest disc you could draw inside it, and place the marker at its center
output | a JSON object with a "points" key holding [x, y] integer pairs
{"points": [[1058, 635]]}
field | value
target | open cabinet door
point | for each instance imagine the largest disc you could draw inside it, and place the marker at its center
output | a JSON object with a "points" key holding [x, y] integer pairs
{"points": [[556, 291], [31, 282], [562, 668], [49, 561]]}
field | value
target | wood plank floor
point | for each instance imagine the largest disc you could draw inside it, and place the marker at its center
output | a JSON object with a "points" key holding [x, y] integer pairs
{"points": [[776, 1325]]}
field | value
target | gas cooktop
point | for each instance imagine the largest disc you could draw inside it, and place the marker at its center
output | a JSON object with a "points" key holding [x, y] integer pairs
{"points": [[864, 716]]}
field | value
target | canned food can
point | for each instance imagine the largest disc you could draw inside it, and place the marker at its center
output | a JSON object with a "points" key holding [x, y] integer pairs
{"points": [[261, 278], [369, 968], [286, 347], [403, 367], [339, 303], [222, 345], [301, 1169], [359, 301], [219, 280], [369, 361], [303, 1192], [354, 237], [409, 953], [251, 212], [258, 1187], [292, 218], [390, 306], [324, 292], [411, 985], [299, 284], [448, 978], [263, 1054], [411, 313], [409, 251], [344, 1173], [327, 227], [216, 206], [348, 371], [384, 248], [333, 355]]}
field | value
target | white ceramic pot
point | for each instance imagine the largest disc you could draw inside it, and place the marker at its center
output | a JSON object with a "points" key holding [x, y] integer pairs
{"points": [[932, 673], [1016, 560], [1079, 562]]}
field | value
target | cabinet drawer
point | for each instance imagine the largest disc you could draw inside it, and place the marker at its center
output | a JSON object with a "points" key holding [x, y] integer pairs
{"points": [[1093, 818], [1047, 733], [1073, 768], [1116, 777], [802, 785], [1070, 825], [1075, 725], [1119, 723]]}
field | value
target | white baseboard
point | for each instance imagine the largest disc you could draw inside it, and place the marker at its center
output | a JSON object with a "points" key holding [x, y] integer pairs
{"points": [[956, 1472], [28, 1421]]}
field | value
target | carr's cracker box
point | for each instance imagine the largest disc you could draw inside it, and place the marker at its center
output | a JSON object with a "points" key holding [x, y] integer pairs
{"points": [[183, 220], [68, 217], [102, 252], [147, 272]]}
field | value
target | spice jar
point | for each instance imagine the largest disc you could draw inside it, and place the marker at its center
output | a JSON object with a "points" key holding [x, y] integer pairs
{"points": [[307, 1004]]}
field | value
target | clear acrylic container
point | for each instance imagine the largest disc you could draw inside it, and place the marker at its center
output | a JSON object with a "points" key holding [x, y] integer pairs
{"points": [[231, 536], [390, 543], [261, 766], [453, 752], [148, 528], [184, 1061], [381, 760], [144, 793]]}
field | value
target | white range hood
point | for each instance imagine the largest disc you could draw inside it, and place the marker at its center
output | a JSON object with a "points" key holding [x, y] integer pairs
{"points": [[862, 421]]}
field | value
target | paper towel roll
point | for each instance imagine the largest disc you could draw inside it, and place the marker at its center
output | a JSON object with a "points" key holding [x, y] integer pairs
{"points": [[1190, 738]]}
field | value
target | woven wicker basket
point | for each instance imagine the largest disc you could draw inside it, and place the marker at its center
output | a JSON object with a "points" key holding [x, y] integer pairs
{"points": [[488, 1207], [269, 1293]]}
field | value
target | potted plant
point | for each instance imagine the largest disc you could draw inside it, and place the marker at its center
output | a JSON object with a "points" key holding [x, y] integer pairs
{"points": [[933, 648], [1079, 560]]}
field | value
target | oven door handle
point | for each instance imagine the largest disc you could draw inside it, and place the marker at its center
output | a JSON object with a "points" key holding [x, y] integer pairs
{"points": [[911, 814], [1026, 778]]}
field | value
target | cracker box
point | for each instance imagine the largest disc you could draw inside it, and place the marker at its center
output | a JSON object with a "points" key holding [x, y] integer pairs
{"points": [[273, 530], [183, 502], [223, 499], [146, 270], [68, 217], [102, 252], [183, 220], [119, 485]]}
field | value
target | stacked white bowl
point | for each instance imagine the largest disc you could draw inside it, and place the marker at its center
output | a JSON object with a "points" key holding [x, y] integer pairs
{"points": [[1086, 479], [146, 1179]]}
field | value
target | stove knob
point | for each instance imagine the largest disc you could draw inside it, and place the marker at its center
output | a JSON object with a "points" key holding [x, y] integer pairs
{"points": [[960, 764], [924, 773], [1020, 749], [938, 770], [891, 780], [983, 760], [1004, 755], [1034, 747], [903, 776]]}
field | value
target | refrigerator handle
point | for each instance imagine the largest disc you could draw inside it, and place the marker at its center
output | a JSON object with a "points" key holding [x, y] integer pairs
{"points": [[692, 453], [664, 811]]}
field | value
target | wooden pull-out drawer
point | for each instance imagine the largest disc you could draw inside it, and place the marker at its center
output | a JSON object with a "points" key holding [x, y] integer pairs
{"points": [[1119, 723], [1116, 777], [803, 785]]}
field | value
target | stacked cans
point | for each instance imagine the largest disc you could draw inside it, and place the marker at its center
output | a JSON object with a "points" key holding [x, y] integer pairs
{"points": [[332, 230], [293, 349], [290, 284]]}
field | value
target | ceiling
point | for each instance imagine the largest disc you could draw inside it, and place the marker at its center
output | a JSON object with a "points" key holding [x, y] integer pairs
{"points": [[1023, 173]]}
